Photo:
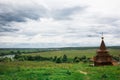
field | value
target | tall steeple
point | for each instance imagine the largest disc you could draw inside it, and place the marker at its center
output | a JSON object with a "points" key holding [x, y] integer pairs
{"points": [[102, 57], [102, 46]]}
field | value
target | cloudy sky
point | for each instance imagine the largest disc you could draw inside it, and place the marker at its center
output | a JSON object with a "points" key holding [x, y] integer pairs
{"points": [[58, 23]]}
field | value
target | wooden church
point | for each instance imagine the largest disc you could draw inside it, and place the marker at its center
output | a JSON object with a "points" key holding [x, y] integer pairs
{"points": [[103, 57]]}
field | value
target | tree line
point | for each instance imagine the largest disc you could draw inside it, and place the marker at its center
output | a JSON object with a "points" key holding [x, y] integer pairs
{"points": [[56, 59]]}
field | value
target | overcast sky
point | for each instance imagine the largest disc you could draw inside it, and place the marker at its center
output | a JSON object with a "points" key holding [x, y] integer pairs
{"points": [[59, 23]]}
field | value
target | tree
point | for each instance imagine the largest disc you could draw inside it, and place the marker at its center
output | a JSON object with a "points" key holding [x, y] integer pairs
{"points": [[2, 54], [6, 59], [12, 52], [76, 59], [55, 58], [17, 56], [58, 60], [18, 52], [104, 76], [64, 58]]}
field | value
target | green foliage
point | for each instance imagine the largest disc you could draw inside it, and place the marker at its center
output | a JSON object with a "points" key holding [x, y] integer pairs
{"points": [[30, 58], [34, 70], [81, 59], [12, 52], [68, 72], [18, 52], [6, 59], [64, 58], [76, 59], [117, 58], [55, 58], [104, 76], [17, 56], [58, 60], [30, 66]]}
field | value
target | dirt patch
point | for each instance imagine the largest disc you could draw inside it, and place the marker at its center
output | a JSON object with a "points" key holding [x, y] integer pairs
{"points": [[82, 72]]}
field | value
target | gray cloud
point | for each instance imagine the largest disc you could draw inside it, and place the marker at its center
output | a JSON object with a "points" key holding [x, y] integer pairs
{"points": [[50, 34], [109, 25], [32, 45], [106, 19], [39, 23], [112, 30], [16, 13], [10, 13], [7, 29], [92, 35], [64, 14], [112, 21]]}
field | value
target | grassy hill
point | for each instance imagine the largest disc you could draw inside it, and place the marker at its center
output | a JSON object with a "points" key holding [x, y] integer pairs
{"points": [[32, 70], [47, 70]]}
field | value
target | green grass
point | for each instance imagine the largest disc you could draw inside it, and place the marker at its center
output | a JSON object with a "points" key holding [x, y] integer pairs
{"points": [[31, 70], [46, 70], [69, 53], [73, 53]]}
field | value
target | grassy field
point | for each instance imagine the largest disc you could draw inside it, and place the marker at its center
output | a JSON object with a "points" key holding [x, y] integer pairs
{"points": [[47, 70], [29, 70], [73, 53]]}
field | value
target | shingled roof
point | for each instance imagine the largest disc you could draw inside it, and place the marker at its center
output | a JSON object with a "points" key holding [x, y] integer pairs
{"points": [[102, 46]]}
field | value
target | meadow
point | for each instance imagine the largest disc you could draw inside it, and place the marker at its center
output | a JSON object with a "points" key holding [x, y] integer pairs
{"points": [[48, 70], [72, 53]]}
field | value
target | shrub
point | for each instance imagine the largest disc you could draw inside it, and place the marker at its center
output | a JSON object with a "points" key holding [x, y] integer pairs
{"points": [[18, 52], [117, 58], [68, 72], [64, 58], [55, 58], [76, 59], [17, 56], [12, 52], [2, 54], [6, 59], [104, 76], [82, 58], [58, 60], [21, 59]]}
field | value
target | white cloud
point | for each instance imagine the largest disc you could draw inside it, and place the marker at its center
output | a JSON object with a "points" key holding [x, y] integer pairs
{"points": [[64, 23]]}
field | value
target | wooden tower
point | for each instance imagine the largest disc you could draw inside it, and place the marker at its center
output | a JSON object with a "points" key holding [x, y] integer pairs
{"points": [[102, 58]]}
